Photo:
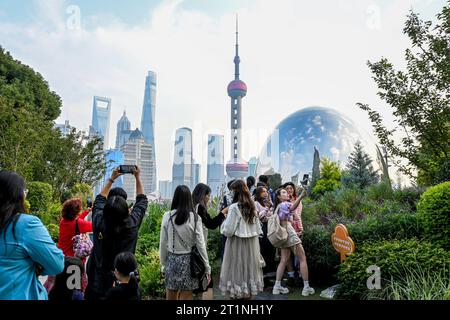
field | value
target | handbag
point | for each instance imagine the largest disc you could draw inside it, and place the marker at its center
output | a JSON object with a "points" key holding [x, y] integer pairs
{"points": [[197, 265], [82, 244], [276, 233]]}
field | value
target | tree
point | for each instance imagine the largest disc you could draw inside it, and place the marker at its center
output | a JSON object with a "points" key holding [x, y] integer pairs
{"points": [[330, 178], [419, 98], [70, 160], [275, 181], [28, 143], [360, 171]]}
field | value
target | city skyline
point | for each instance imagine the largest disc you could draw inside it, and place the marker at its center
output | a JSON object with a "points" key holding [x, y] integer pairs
{"points": [[309, 54]]}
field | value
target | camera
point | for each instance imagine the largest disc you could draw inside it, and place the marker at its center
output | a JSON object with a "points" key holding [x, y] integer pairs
{"points": [[89, 202], [125, 168]]}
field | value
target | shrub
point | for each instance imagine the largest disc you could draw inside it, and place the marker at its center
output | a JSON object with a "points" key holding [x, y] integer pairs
{"points": [[39, 196], [379, 192], [323, 259], [375, 228], [330, 178], [53, 230], [391, 257], [434, 214], [408, 196], [151, 284], [415, 284]]}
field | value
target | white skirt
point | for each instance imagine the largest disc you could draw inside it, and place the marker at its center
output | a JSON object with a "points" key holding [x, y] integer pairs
{"points": [[241, 273]]}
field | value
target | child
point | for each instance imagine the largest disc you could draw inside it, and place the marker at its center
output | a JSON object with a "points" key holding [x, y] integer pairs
{"points": [[127, 285], [60, 290]]}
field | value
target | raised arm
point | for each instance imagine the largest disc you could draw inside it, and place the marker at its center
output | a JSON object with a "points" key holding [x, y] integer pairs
{"points": [[139, 185], [297, 202], [110, 182]]}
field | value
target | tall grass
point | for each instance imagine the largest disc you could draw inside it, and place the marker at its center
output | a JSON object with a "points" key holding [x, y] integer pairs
{"points": [[416, 284]]}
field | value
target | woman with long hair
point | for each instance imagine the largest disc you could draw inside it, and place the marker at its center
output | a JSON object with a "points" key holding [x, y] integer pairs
{"points": [[181, 229], [115, 230], [284, 208], [241, 273], [264, 208], [201, 197], [26, 248]]}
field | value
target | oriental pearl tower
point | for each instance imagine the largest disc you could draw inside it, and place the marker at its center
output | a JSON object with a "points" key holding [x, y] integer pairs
{"points": [[237, 89]]}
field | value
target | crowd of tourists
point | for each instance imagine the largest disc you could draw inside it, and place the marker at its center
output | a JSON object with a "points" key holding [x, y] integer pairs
{"points": [[94, 258]]}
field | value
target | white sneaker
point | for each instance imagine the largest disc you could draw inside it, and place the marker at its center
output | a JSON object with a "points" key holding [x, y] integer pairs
{"points": [[280, 290], [307, 291]]}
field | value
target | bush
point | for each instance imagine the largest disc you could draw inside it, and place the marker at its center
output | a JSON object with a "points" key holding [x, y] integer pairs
{"points": [[391, 257], [415, 284], [53, 230], [434, 214], [40, 197], [391, 227], [408, 196], [151, 284], [323, 259], [379, 192]]}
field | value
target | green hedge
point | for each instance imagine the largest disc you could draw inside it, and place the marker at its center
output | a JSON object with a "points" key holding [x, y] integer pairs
{"points": [[393, 258], [434, 214], [323, 260], [151, 284]]}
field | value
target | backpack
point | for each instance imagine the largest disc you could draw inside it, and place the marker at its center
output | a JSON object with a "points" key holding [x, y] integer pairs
{"points": [[82, 244], [276, 234]]}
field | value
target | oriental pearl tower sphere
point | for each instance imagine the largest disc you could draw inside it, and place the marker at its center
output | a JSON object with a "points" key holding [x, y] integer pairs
{"points": [[236, 167]]}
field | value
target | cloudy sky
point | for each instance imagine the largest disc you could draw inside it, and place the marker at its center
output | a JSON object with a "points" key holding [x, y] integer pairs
{"points": [[294, 54]]}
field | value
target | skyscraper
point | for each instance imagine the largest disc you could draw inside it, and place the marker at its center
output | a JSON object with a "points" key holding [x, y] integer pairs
{"points": [[252, 166], [123, 130], [195, 175], [237, 89], [148, 118], [165, 189], [114, 158], [137, 151], [182, 169], [64, 128], [101, 112], [215, 164]]}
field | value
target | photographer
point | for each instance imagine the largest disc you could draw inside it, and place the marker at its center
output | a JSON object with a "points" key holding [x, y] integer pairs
{"points": [[115, 231]]}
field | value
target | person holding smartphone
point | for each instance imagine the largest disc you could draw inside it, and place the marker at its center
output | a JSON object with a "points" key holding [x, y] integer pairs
{"points": [[115, 230]]}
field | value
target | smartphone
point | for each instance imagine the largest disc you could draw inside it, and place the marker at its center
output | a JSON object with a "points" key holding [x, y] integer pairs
{"points": [[126, 168]]}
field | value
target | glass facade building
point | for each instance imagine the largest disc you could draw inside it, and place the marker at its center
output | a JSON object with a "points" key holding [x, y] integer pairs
{"points": [[148, 118], [101, 112]]}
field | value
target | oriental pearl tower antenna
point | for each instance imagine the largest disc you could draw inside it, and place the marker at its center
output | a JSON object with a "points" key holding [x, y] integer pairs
{"points": [[237, 89]]}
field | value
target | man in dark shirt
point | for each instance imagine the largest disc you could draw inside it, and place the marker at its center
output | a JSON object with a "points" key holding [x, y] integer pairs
{"points": [[112, 237]]}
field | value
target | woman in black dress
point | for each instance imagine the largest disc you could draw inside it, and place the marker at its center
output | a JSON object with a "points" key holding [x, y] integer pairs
{"points": [[201, 197]]}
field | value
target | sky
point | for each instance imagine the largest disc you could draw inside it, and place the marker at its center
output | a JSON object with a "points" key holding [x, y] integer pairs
{"points": [[294, 54]]}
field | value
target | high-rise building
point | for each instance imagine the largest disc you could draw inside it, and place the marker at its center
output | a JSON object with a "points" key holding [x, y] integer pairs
{"points": [[195, 175], [101, 112], [123, 130], [237, 89], [64, 128], [137, 151], [215, 164], [114, 158], [148, 118], [252, 166], [165, 189], [182, 159]]}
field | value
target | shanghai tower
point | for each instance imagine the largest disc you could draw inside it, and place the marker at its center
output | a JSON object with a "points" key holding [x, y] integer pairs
{"points": [[237, 89], [148, 119]]}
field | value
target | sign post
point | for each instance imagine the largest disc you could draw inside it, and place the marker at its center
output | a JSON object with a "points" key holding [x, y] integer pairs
{"points": [[342, 242]]}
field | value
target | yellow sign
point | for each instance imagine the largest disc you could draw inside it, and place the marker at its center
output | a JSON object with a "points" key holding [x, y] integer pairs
{"points": [[342, 242]]}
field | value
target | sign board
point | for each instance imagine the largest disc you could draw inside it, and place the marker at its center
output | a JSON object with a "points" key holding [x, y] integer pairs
{"points": [[342, 242]]}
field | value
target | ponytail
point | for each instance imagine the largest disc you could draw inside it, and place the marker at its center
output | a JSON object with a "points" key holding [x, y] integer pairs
{"points": [[134, 279]]}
